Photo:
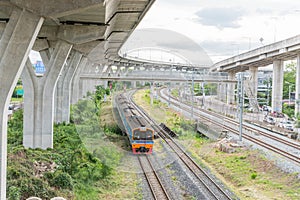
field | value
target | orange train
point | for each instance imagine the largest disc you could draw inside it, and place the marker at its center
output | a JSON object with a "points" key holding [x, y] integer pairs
{"points": [[139, 132]]}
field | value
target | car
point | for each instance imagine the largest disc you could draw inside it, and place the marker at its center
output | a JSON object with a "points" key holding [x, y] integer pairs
{"points": [[269, 120], [277, 114], [286, 125], [266, 108]]}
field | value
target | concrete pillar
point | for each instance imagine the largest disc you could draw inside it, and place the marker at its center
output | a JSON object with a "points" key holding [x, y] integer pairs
{"points": [[63, 89], [125, 70], [277, 85], [108, 70], [253, 88], [81, 95], [219, 91], [230, 88], [133, 84], [118, 70], [82, 82], [75, 87], [222, 92], [297, 94], [88, 85], [39, 99], [105, 84], [16, 42]]}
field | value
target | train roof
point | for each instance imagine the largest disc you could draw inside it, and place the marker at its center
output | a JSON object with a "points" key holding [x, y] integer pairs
{"points": [[132, 115]]}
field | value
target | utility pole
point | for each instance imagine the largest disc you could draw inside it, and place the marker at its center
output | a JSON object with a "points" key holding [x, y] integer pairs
{"points": [[169, 91], [192, 95], [203, 94], [268, 91], [241, 102]]}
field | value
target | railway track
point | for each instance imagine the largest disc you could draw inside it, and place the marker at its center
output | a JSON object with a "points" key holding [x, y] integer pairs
{"points": [[156, 187], [246, 127], [212, 189]]}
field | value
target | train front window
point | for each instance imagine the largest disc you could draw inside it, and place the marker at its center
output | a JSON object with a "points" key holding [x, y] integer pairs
{"points": [[142, 135]]}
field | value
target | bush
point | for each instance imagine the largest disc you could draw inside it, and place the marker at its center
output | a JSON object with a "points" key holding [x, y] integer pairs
{"points": [[62, 180], [253, 176], [14, 193]]}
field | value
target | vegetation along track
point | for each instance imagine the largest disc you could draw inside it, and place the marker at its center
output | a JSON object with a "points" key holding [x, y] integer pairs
{"points": [[210, 186], [157, 188], [246, 127]]}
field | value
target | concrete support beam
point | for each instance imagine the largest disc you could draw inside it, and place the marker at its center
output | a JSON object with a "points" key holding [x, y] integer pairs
{"points": [[75, 95], [15, 44], [133, 84], [45, 55], [89, 85], [118, 70], [230, 88], [83, 86], [39, 102], [63, 89], [80, 34], [67, 7], [222, 92], [219, 91], [253, 88], [277, 85], [297, 95], [105, 84]]}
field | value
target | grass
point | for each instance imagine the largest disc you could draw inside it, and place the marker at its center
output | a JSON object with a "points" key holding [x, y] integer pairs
{"points": [[247, 172], [120, 185], [16, 100], [175, 92], [86, 157]]}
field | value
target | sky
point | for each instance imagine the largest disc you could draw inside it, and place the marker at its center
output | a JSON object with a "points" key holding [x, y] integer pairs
{"points": [[226, 28]]}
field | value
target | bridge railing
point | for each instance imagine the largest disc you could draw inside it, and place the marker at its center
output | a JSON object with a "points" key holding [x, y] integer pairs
{"points": [[188, 76]]}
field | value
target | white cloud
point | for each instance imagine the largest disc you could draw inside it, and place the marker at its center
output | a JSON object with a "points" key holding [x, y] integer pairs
{"points": [[272, 20], [221, 17]]}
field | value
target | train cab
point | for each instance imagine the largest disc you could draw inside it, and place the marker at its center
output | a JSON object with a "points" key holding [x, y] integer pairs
{"points": [[142, 140]]}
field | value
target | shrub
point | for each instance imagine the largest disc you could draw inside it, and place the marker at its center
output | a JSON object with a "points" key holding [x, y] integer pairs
{"points": [[14, 193], [253, 176], [62, 180]]}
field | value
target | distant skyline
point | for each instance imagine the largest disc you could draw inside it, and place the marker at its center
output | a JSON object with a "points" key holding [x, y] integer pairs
{"points": [[226, 28]]}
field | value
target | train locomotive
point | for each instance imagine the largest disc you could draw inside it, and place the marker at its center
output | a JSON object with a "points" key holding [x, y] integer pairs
{"points": [[139, 132]]}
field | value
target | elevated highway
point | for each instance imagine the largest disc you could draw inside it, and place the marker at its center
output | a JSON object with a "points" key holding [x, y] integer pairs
{"points": [[273, 54], [266, 55], [70, 35], [162, 76]]}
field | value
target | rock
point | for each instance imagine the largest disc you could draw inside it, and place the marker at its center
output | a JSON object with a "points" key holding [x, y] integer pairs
{"points": [[34, 198]]}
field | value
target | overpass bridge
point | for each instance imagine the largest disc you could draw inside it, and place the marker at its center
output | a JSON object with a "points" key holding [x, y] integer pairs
{"points": [[162, 76], [273, 54], [69, 35]]}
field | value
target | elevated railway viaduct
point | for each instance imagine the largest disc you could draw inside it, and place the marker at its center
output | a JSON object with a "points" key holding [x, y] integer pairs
{"points": [[69, 34]]}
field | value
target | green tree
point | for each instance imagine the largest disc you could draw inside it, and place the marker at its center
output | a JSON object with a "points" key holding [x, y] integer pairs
{"points": [[289, 78], [100, 94]]}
